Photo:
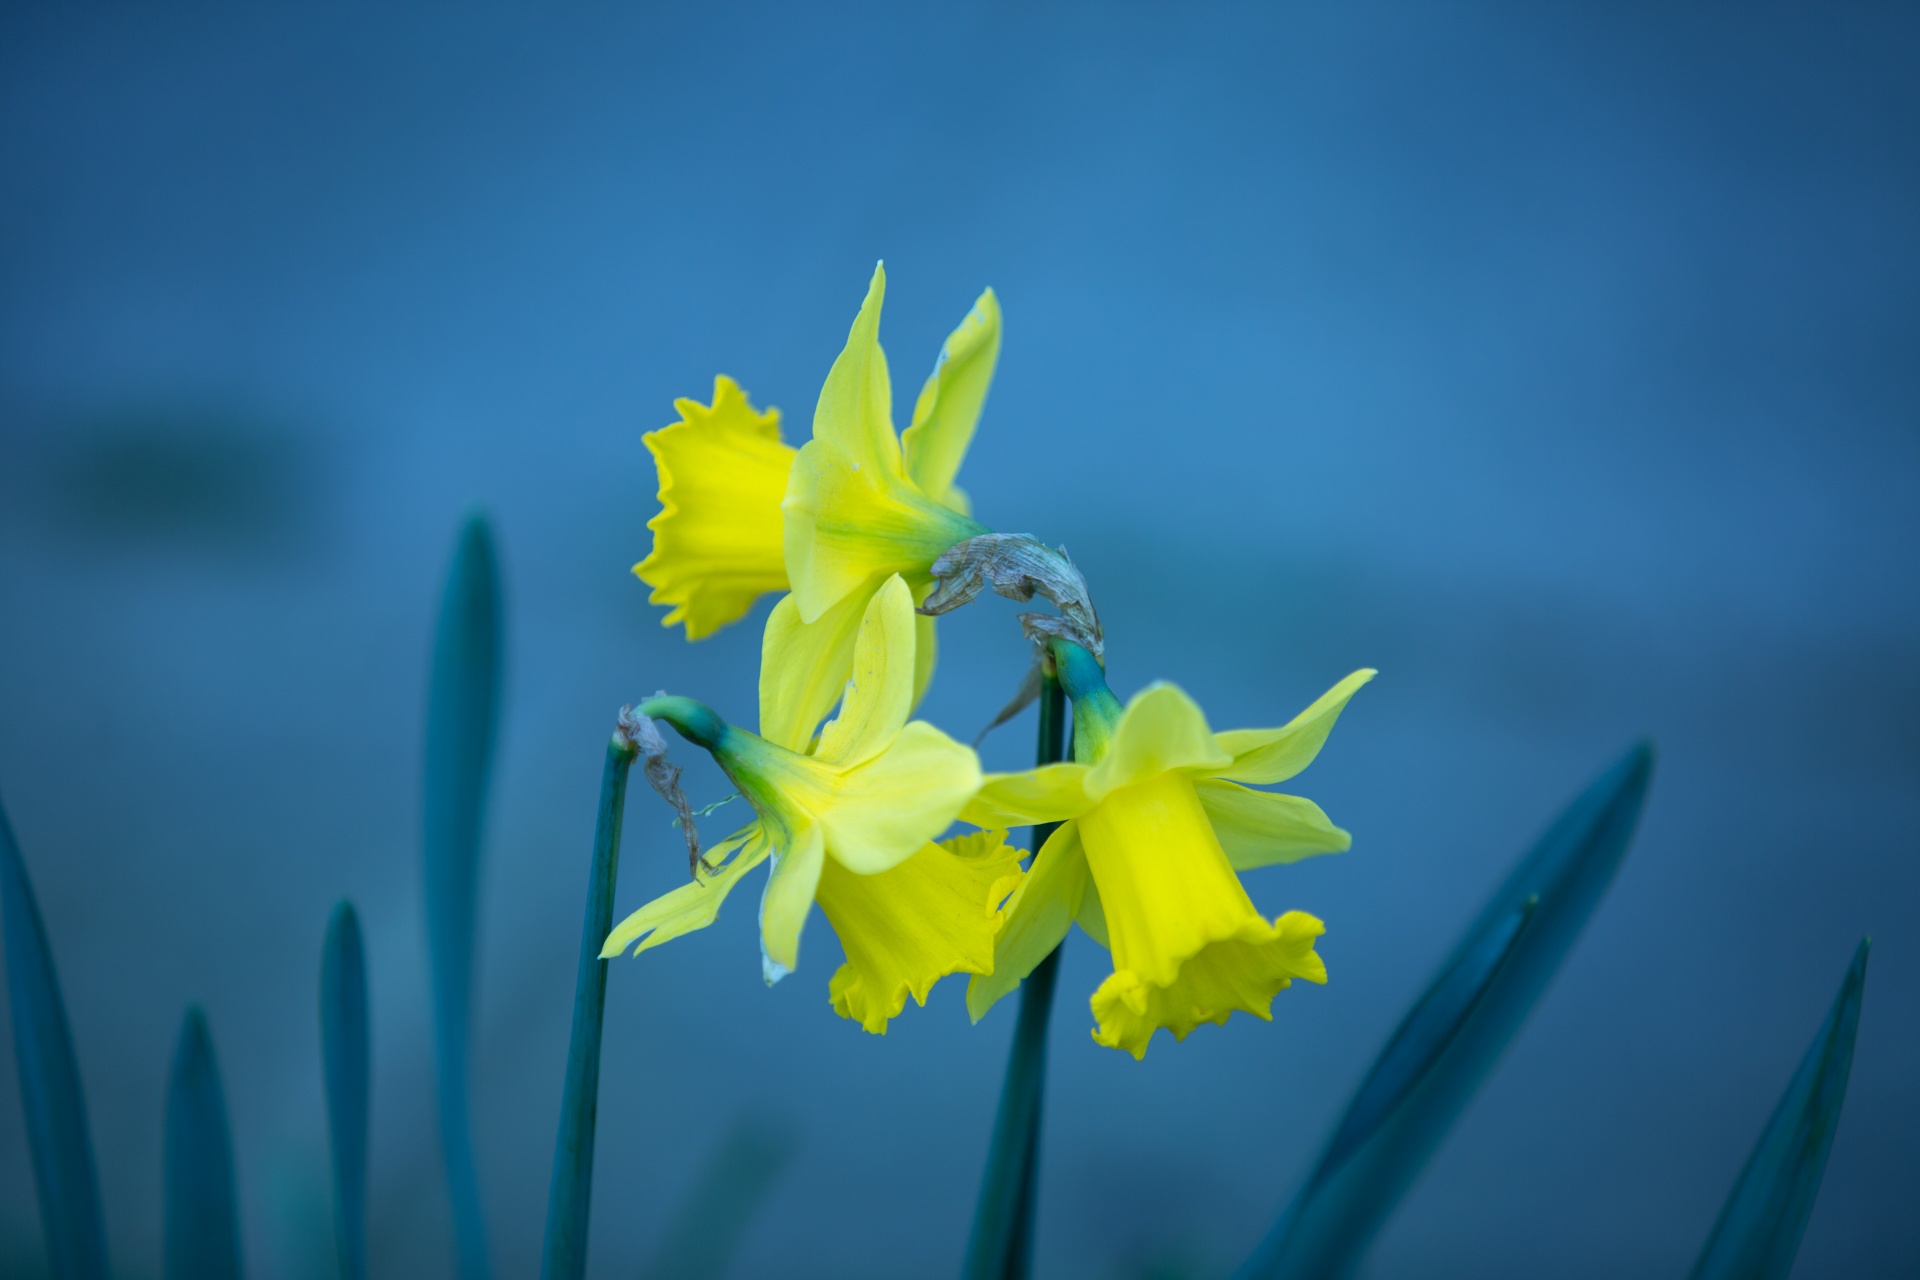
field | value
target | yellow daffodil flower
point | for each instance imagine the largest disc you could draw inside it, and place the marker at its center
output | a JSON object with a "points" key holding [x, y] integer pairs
{"points": [[1155, 827], [849, 823]]}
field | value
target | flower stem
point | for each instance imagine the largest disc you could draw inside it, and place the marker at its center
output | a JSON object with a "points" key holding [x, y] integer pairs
{"points": [[565, 1256], [1001, 1246]]}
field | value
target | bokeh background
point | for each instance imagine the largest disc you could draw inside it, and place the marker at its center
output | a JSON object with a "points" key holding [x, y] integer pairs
{"points": [[1560, 361]]}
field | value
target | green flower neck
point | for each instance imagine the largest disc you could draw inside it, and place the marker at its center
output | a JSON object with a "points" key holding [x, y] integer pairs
{"points": [[1096, 712]]}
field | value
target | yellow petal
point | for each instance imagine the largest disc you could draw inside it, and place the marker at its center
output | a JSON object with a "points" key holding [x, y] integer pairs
{"points": [[1039, 914], [717, 540], [1093, 917], [691, 906], [851, 512], [906, 928], [855, 409], [879, 694], [1260, 828], [1161, 730], [1050, 793], [925, 648], [1227, 976], [1262, 756], [884, 810], [949, 406], [804, 667], [787, 899]]}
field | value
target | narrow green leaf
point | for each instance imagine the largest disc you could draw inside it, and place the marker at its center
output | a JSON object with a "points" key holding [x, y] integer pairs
{"points": [[50, 1094], [570, 1193], [1000, 1246], [201, 1228], [344, 1057], [1455, 1034], [1760, 1226], [705, 1234], [462, 707]]}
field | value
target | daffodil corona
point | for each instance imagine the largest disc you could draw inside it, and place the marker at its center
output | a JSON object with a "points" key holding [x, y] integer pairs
{"points": [[849, 821], [1155, 827]]}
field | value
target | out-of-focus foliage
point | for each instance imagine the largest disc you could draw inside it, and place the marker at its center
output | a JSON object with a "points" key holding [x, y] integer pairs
{"points": [[1758, 1234], [1456, 1032], [463, 696]]}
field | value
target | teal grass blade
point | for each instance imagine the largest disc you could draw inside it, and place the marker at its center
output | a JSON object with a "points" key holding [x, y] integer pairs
{"points": [[1760, 1226], [569, 1195], [1001, 1244], [344, 1051], [201, 1227], [705, 1234], [1456, 1032], [56, 1110], [462, 705]]}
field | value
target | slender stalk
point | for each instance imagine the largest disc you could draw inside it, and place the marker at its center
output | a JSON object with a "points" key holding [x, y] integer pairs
{"points": [[1001, 1246], [569, 1196]]}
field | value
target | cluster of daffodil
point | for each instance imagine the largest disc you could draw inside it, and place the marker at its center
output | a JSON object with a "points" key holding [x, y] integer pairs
{"points": [[1156, 821]]}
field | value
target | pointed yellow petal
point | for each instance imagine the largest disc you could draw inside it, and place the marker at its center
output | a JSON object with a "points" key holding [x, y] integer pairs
{"points": [[787, 899], [1235, 975], [1093, 917], [691, 906], [949, 406], [879, 695], [1161, 730], [717, 540], [1038, 917], [804, 668], [1262, 756], [1260, 828], [851, 513], [1050, 793], [906, 928], [884, 810], [855, 409]]}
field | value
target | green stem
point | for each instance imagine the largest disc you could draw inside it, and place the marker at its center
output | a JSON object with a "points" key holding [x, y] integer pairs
{"points": [[697, 722], [1001, 1246], [572, 1187]]}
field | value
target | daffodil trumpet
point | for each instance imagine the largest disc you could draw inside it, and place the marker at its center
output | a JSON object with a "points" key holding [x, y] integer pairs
{"points": [[849, 819], [1157, 822]]}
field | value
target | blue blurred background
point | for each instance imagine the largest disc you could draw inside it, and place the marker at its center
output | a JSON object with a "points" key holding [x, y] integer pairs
{"points": [[1560, 362]]}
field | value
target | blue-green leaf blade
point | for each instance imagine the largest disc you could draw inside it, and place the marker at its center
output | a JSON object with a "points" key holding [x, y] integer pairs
{"points": [[1455, 1034], [345, 1060], [50, 1092], [704, 1235], [1759, 1229], [201, 1228], [462, 709], [570, 1194]]}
